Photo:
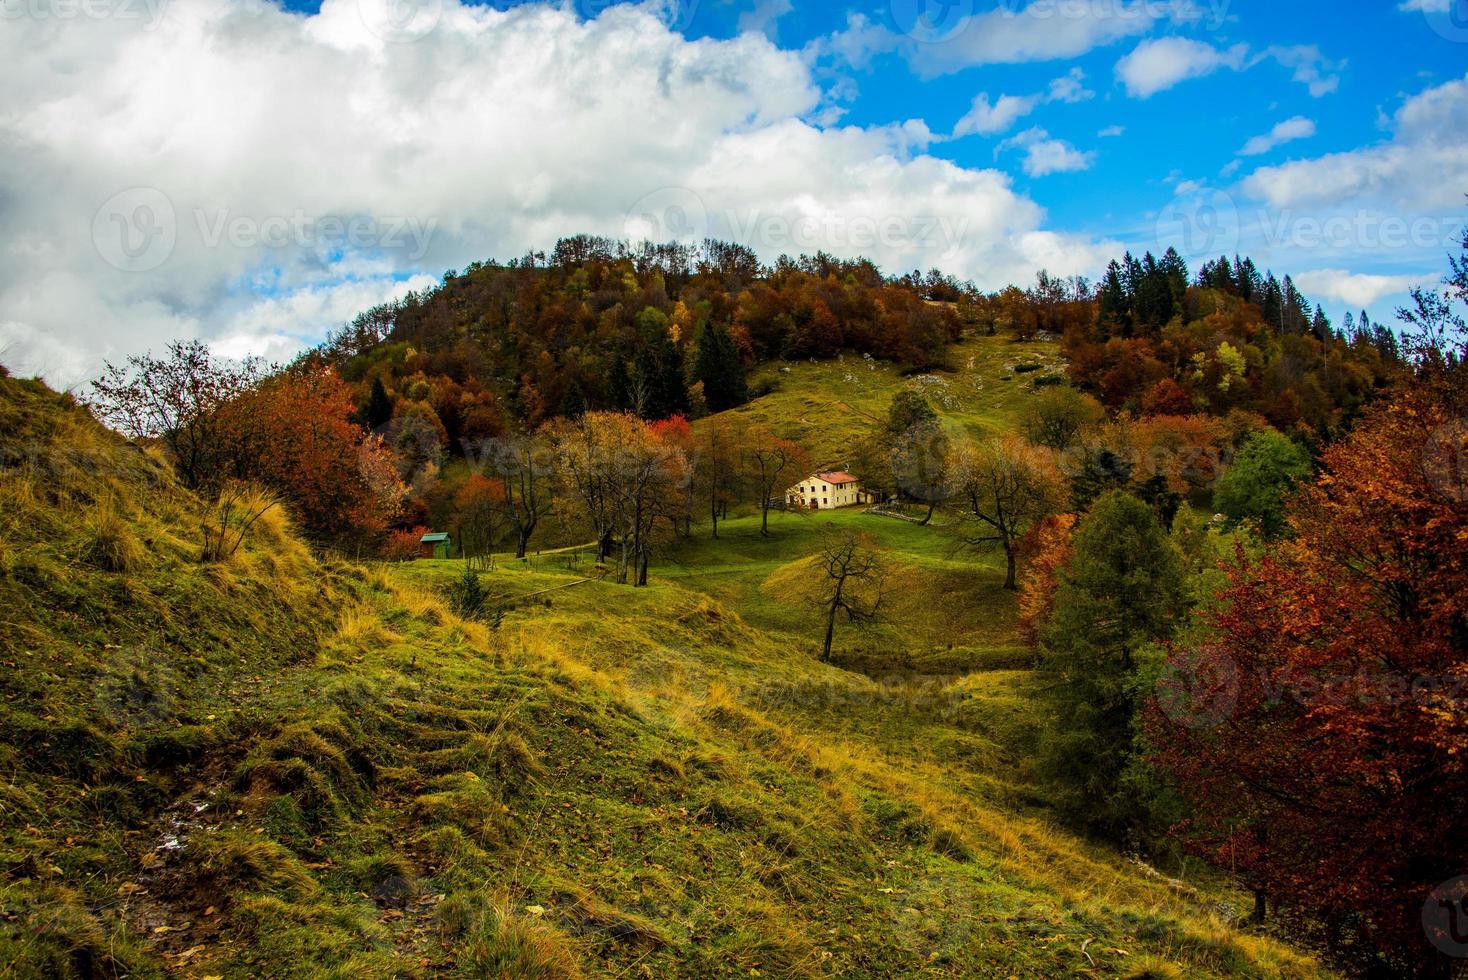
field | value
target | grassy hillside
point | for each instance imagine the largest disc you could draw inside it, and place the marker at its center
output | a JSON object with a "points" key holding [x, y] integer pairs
{"points": [[829, 405], [279, 766]]}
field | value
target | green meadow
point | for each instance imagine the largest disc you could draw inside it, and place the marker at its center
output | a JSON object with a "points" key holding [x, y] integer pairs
{"points": [[286, 765]]}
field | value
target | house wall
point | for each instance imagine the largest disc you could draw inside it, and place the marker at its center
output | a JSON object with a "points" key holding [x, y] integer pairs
{"points": [[826, 495]]}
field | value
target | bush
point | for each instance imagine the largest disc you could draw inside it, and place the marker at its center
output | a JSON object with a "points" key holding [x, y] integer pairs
{"points": [[110, 544]]}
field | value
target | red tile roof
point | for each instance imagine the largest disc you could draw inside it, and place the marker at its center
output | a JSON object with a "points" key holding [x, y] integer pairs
{"points": [[838, 477]]}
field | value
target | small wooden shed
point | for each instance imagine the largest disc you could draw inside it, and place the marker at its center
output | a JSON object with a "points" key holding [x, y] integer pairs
{"points": [[435, 546]]}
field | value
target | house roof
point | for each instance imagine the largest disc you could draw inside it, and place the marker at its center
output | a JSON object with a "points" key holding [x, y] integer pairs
{"points": [[433, 539], [837, 477]]}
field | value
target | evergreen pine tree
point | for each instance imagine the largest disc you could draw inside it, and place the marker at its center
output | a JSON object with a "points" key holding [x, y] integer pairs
{"points": [[1122, 593], [379, 407], [573, 402], [619, 385], [719, 365]]}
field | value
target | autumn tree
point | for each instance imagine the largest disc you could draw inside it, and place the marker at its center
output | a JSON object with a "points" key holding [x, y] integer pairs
{"points": [[1005, 489], [719, 472], [626, 480], [480, 518], [773, 464], [176, 399], [1048, 548], [295, 433], [852, 582], [1317, 730], [523, 469]]}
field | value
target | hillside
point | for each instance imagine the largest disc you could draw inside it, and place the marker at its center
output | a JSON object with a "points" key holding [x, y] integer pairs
{"points": [[275, 765]]}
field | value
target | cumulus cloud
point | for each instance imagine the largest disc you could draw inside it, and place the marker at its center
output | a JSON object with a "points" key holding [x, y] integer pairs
{"points": [[1158, 64], [253, 176], [1045, 156], [1111, 132], [989, 117], [1358, 290], [1295, 128], [1426, 6], [1424, 165]]}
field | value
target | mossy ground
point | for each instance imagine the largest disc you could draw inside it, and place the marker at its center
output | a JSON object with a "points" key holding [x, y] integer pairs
{"points": [[282, 766]]}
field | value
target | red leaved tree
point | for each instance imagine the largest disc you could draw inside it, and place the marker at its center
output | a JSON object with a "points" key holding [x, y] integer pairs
{"points": [[1320, 732]]}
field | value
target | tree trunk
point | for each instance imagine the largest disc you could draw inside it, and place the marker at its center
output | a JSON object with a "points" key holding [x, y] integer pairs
{"points": [[830, 632], [932, 505], [1259, 908], [1011, 580], [764, 519]]}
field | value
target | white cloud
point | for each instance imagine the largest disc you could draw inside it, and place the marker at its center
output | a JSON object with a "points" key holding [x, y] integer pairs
{"points": [[269, 136], [1041, 31], [763, 17], [1310, 68], [987, 118], [1423, 165], [1356, 290], [1295, 128], [1045, 156], [1426, 6], [1110, 132], [1159, 64]]}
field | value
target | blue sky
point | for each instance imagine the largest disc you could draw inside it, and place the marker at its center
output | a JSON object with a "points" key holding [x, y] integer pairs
{"points": [[254, 174]]}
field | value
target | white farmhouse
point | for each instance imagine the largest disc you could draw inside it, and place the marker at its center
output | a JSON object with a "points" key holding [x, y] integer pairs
{"points": [[827, 491]]}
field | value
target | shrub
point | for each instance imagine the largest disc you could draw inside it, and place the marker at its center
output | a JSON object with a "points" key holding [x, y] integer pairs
{"points": [[109, 543]]}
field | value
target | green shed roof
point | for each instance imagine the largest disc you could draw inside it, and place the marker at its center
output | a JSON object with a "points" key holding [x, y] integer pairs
{"points": [[433, 539]]}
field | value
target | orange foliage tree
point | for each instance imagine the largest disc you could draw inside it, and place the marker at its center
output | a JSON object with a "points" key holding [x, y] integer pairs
{"points": [[1319, 732], [294, 432]]}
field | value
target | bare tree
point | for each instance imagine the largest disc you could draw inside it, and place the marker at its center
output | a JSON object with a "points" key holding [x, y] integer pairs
{"points": [[175, 398], [1006, 488], [774, 464], [718, 473], [854, 582], [523, 469]]}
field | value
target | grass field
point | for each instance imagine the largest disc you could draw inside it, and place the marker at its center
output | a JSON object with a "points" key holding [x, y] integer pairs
{"points": [[828, 406], [278, 765]]}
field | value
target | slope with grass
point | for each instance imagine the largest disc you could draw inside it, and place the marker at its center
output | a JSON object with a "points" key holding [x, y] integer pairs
{"points": [[829, 406], [277, 765]]}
